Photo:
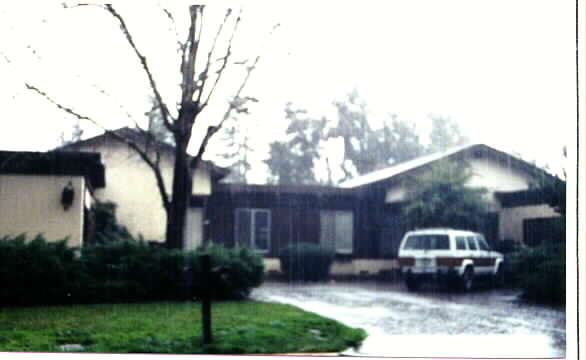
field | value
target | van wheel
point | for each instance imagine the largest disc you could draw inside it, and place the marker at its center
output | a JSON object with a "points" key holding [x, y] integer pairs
{"points": [[499, 277], [412, 283], [467, 279]]}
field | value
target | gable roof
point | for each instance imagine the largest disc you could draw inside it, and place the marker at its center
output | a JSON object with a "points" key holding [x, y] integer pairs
{"points": [[407, 167], [139, 137], [84, 164]]}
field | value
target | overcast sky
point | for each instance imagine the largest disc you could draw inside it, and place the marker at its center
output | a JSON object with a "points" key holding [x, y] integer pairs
{"points": [[504, 70]]}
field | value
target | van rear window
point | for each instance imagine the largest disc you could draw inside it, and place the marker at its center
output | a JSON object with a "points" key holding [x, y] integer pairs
{"points": [[427, 242]]}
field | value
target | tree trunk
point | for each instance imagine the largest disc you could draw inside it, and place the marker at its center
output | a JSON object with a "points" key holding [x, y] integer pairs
{"points": [[177, 213]]}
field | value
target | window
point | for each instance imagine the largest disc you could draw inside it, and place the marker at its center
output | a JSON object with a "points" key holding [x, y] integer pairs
{"points": [[337, 229], [253, 228], [482, 243], [427, 242], [471, 243], [460, 243]]}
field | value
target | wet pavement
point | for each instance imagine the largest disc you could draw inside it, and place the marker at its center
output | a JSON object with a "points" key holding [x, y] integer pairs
{"points": [[431, 322]]}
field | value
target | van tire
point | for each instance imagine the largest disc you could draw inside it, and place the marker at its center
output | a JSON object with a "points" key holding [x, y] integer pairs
{"points": [[467, 279], [411, 282]]}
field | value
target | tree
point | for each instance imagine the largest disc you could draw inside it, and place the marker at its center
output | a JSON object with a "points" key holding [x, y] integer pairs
{"points": [[445, 133], [362, 150], [292, 161], [200, 73], [441, 198], [400, 141], [74, 136], [237, 150]]}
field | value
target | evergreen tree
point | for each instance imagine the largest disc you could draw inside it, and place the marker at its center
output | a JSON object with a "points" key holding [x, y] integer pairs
{"points": [[441, 198], [362, 144], [445, 133], [237, 150], [400, 141], [292, 161]]}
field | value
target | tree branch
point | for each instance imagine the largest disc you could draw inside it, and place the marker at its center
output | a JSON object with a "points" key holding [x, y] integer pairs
{"points": [[164, 110], [143, 154], [225, 60]]}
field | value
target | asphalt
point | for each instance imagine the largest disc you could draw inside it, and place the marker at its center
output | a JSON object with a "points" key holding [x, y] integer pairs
{"points": [[432, 322]]}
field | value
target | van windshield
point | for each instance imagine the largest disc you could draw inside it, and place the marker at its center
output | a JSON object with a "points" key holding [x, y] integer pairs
{"points": [[427, 242]]}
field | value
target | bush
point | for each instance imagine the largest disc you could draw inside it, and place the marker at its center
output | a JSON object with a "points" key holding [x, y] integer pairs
{"points": [[234, 272], [541, 273], [37, 271], [41, 272], [306, 262]]}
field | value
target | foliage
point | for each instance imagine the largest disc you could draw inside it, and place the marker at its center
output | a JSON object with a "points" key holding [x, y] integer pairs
{"points": [[400, 142], [37, 271], [106, 225], [292, 161], [241, 327], [236, 149], [553, 192], [541, 273], [306, 262], [41, 272], [445, 133], [234, 272], [362, 145], [441, 198]]}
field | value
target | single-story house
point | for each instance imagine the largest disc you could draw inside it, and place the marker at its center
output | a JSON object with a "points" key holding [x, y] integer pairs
{"points": [[360, 219], [48, 193]]}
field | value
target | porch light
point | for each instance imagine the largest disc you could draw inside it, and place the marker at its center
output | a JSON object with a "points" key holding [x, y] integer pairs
{"points": [[67, 196]]}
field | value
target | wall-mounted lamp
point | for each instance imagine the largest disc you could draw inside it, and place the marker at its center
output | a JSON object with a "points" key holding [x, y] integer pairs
{"points": [[67, 196]]}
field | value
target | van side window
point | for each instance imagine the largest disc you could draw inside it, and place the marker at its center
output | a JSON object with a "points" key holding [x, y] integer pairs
{"points": [[482, 243], [471, 243], [460, 243]]}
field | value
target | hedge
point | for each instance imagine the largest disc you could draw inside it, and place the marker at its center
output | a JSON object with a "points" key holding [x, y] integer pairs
{"points": [[39, 272], [306, 262]]}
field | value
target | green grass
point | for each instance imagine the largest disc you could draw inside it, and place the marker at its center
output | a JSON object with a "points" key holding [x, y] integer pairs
{"points": [[172, 327]]}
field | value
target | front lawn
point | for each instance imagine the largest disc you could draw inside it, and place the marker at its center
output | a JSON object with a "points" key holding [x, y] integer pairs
{"points": [[172, 327]]}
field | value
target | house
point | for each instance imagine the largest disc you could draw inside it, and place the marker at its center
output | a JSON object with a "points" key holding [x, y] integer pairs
{"points": [[361, 218], [48, 193], [133, 188]]}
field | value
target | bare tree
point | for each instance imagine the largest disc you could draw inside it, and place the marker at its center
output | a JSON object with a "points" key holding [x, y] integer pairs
{"points": [[198, 85]]}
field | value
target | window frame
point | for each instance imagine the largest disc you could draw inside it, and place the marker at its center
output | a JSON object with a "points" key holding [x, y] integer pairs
{"points": [[335, 212], [252, 212]]}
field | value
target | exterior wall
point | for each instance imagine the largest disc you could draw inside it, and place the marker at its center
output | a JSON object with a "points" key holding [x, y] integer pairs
{"points": [[487, 173], [511, 219], [32, 204], [193, 236], [353, 267], [131, 184]]}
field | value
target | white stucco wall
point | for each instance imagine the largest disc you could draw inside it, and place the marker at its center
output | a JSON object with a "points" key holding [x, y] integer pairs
{"points": [[131, 184], [511, 219], [32, 204]]}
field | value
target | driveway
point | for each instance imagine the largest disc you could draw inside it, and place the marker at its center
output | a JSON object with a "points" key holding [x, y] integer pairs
{"points": [[431, 323]]}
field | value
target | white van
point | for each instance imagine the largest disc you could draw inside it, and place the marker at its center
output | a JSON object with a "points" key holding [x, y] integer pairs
{"points": [[457, 256]]}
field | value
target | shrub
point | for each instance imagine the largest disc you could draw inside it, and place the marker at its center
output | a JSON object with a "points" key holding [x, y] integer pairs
{"points": [[541, 273], [40, 272], [234, 272], [306, 262], [106, 225], [37, 271], [131, 270]]}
